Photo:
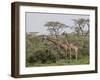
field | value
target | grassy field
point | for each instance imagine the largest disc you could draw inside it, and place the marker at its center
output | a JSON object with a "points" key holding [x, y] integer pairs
{"points": [[81, 61], [41, 52]]}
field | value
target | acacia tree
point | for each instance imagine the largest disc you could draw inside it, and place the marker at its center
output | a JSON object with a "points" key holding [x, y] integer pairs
{"points": [[55, 28], [82, 28]]}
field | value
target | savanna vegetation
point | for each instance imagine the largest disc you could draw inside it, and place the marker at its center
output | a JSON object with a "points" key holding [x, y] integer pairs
{"points": [[59, 47]]}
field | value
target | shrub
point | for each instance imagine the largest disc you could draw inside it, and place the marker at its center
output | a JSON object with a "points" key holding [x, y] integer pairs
{"points": [[83, 52], [43, 56]]}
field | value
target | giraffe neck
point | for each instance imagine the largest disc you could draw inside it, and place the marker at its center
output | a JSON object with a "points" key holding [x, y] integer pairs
{"points": [[61, 45], [52, 41]]}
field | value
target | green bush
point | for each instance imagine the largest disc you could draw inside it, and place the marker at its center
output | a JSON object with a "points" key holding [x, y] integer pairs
{"points": [[84, 51], [42, 56], [44, 52]]}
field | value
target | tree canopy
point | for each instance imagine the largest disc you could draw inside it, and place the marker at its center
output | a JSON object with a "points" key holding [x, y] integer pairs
{"points": [[55, 27]]}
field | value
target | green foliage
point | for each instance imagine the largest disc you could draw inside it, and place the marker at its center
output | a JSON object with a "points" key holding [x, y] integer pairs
{"points": [[41, 52], [42, 56]]}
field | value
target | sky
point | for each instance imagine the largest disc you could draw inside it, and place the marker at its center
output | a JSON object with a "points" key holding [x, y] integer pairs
{"points": [[34, 22]]}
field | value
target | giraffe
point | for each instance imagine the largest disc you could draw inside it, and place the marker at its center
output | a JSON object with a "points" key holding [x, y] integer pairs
{"points": [[59, 45], [72, 47], [66, 46], [75, 48]]}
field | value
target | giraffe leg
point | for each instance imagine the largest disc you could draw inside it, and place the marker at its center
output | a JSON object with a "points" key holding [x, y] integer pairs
{"points": [[76, 54], [66, 54], [70, 54]]}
